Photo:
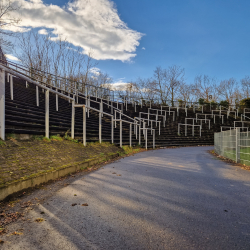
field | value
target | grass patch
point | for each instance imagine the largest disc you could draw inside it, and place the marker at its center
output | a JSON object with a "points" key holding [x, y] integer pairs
{"points": [[56, 138]]}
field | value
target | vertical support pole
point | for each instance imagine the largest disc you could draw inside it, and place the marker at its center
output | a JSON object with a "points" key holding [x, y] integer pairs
{"points": [[146, 139], [73, 120], [26, 84], [130, 135], [11, 87], [2, 104], [136, 131], [237, 146], [120, 133], [47, 113], [56, 101], [84, 126], [178, 128], [100, 127], [140, 134], [112, 129], [154, 139], [37, 96]]}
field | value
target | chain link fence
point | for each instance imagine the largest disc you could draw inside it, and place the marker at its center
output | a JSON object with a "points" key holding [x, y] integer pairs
{"points": [[233, 144]]}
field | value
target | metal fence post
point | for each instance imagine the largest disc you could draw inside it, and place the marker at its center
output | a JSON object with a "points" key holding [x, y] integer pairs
{"points": [[47, 113], [130, 135], [112, 129], [146, 139], [37, 96], [120, 133], [56, 101], [100, 127], [2, 104], [154, 138], [84, 126], [73, 120], [139, 134], [11, 87], [237, 148]]}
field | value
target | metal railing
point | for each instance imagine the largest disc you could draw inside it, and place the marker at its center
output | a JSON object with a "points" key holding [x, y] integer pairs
{"points": [[234, 145], [86, 107]]}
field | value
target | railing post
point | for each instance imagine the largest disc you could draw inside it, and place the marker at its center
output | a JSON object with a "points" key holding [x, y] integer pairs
{"points": [[2, 104], [146, 139], [100, 127], [47, 113], [84, 125], [130, 135], [120, 133], [11, 87], [73, 120], [112, 130], [139, 134], [37, 96], [237, 146], [56, 101], [153, 139]]}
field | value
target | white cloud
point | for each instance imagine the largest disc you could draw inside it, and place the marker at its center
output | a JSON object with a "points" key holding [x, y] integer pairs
{"points": [[43, 32], [95, 71], [120, 85], [90, 24], [143, 48], [11, 57]]}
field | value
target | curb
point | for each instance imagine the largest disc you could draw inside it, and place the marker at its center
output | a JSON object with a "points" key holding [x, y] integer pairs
{"points": [[21, 185]]}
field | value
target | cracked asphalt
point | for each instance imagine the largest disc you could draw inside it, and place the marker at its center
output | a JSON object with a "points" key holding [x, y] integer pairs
{"points": [[180, 198]]}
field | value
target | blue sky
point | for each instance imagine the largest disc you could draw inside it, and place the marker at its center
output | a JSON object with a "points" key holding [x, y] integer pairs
{"points": [[203, 36]]}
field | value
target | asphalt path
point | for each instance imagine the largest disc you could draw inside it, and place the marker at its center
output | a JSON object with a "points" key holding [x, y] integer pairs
{"points": [[181, 198]]}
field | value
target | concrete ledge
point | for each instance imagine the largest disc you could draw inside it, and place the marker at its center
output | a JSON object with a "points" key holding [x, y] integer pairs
{"points": [[21, 185]]}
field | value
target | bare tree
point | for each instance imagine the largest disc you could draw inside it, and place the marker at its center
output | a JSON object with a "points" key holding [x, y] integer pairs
{"points": [[245, 84], [175, 77], [227, 89], [204, 86], [7, 19]]}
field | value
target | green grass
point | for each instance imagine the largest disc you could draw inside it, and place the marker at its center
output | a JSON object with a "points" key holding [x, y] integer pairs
{"points": [[244, 155], [56, 138]]}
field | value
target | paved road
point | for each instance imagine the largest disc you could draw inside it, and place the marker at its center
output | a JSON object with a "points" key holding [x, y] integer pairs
{"points": [[181, 198]]}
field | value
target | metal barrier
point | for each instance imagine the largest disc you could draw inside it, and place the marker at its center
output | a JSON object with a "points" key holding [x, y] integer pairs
{"points": [[234, 145], [49, 89], [181, 124]]}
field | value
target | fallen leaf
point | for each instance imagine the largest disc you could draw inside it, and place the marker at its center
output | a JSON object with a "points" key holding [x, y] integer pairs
{"points": [[1, 241], [114, 173], [42, 213], [75, 195], [85, 204], [118, 175], [16, 233], [74, 204], [39, 220]]}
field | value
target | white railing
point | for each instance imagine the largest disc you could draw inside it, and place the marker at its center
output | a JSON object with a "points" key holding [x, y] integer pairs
{"points": [[49, 89]]}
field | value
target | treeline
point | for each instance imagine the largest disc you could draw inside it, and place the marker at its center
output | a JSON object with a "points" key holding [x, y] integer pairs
{"points": [[170, 85], [58, 57]]}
